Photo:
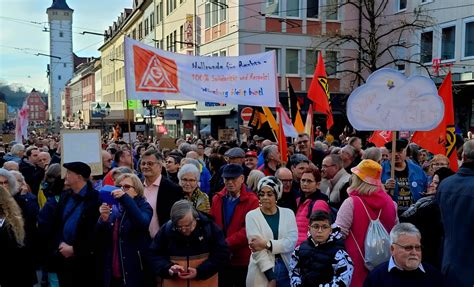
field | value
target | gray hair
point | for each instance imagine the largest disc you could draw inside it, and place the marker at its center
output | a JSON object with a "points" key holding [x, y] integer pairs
{"points": [[403, 229], [121, 170], [185, 148], [268, 150], [180, 209], [336, 160], [373, 153], [192, 161], [349, 149], [12, 184], [254, 177], [17, 148], [468, 151], [11, 162], [189, 168], [318, 145], [53, 170]]}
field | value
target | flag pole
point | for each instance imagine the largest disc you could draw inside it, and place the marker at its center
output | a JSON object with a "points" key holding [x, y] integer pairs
{"points": [[126, 102], [392, 161]]}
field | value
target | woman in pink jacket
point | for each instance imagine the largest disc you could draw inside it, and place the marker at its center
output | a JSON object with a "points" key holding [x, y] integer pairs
{"points": [[311, 199], [365, 191]]}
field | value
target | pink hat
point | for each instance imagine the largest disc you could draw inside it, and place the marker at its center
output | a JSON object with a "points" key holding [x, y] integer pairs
{"points": [[369, 171]]}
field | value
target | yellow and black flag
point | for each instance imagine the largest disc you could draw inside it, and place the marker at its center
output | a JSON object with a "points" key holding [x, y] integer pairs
{"points": [[261, 125], [295, 110]]}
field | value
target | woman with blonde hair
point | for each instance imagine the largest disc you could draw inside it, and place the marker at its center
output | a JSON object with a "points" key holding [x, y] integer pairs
{"points": [[12, 236], [254, 177], [367, 201]]}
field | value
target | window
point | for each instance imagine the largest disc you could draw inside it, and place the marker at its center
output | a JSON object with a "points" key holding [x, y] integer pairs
{"points": [[64, 64], [208, 15], [59, 77], [146, 26], [159, 13], [426, 47], [223, 11], [312, 10], [167, 43], [277, 51], [426, 1], [332, 9], [222, 53], [448, 42], [140, 31], [401, 5], [152, 21], [273, 7], [331, 63], [292, 60], [214, 14], [134, 34], [468, 37], [174, 41], [61, 34], [401, 55], [181, 36], [311, 58], [293, 8]]}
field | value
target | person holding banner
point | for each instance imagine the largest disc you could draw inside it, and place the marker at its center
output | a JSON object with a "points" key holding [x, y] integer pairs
{"points": [[410, 180]]}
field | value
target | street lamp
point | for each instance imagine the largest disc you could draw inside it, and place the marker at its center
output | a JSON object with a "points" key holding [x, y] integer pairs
{"points": [[103, 112], [152, 107]]}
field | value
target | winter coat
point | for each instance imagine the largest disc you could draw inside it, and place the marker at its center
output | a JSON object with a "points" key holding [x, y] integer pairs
{"points": [[456, 201], [359, 223], [314, 264], [133, 238], [204, 249], [12, 157], [263, 260], [306, 206], [235, 232], [33, 175]]}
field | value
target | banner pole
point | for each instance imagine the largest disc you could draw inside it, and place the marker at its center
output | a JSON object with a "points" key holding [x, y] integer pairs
{"points": [[392, 160], [126, 103]]}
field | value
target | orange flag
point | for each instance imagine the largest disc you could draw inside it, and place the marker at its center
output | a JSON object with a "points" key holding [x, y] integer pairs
{"points": [[319, 92], [442, 139], [380, 138], [282, 146]]}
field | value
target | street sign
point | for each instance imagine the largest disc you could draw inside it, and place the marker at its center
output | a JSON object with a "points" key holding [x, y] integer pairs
{"points": [[246, 114]]}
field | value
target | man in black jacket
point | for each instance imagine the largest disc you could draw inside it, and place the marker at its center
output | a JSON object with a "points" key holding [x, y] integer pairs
{"points": [[74, 228]]}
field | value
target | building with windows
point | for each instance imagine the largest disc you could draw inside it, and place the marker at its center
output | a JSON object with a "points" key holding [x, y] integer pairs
{"points": [[36, 107]]}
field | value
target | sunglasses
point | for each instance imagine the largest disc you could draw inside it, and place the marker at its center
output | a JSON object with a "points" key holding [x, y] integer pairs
{"points": [[125, 187]]}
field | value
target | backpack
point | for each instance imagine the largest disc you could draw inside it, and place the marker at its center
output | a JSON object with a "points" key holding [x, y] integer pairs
{"points": [[376, 244]]}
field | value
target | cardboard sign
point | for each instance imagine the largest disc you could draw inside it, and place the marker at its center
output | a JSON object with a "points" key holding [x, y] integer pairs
{"points": [[133, 137], [167, 143], [226, 135], [82, 145], [391, 102]]}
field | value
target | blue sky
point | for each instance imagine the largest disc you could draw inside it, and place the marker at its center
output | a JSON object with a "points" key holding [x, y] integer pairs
{"points": [[21, 36]]}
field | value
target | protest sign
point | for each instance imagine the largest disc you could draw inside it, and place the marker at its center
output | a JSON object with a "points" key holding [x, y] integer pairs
{"points": [[127, 137], [226, 135], [82, 145], [151, 73], [391, 102], [167, 143]]}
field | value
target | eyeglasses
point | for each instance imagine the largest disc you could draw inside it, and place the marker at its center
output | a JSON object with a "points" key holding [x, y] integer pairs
{"points": [[148, 163], [439, 164], [303, 141], [409, 248], [185, 227], [286, 180], [307, 181], [318, 227], [186, 180], [126, 187]]}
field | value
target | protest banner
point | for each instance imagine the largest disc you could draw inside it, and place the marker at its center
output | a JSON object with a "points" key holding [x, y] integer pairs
{"points": [[151, 73], [226, 135], [81, 145]]}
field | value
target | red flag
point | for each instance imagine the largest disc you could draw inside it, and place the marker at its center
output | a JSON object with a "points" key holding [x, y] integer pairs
{"points": [[442, 139], [282, 146], [380, 138], [319, 92]]}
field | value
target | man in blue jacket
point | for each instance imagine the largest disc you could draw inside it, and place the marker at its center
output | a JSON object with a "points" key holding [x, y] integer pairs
{"points": [[410, 180], [456, 202]]}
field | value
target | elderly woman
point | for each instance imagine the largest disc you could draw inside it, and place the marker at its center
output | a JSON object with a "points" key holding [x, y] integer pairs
{"points": [[124, 230], [188, 177], [190, 249], [367, 201], [254, 177], [311, 199], [272, 235], [438, 161]]}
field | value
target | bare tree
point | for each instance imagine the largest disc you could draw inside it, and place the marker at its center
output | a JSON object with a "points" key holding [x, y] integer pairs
{"points": [[379, 37]]}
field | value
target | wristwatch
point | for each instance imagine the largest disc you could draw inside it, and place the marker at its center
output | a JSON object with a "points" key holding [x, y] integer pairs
{"points": [[269, 245]]}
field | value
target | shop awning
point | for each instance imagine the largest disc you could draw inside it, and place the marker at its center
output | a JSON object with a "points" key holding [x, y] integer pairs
{"points": [[217, 112]]}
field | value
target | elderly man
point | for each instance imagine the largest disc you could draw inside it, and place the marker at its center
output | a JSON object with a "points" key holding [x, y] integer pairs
{"points": [[72, 227], [456, 202], [160, 192], [348, 156], [335, 180], [251, 160], [16, 153], [44, 158], [410, 180], [11, 165], [404, 267], [288, 198], [229, 208], [190, 247], [271, 158]]}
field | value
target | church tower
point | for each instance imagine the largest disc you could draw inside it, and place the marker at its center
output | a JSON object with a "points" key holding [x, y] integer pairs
{"points": [[61, 66]]}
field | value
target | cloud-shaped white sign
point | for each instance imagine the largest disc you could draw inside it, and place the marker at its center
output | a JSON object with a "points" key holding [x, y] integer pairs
{"points": [[390, 101]]}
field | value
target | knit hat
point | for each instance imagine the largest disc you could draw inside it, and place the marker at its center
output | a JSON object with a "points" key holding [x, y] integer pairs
{"points": [[272, 182], [368, 171]]}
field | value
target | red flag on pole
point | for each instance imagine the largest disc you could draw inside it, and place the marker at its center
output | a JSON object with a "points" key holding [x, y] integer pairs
{"points": [[282, 146], [380, 138], [442, 139], [319, 92]]}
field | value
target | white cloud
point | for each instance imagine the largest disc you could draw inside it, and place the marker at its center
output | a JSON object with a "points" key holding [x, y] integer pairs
{"points": [[390, 101]]}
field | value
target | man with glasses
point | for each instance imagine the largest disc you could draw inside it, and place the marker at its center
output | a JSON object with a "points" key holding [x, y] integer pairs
{"points": [[288, 197], [321, 259], [229, 208], [303, 145], [335, 180], [188, 249], [410, 180], [160, 192], [404, 267]]}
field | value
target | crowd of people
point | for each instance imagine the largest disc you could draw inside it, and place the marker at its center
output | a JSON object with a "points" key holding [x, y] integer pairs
{"points": [[209, 213]]}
